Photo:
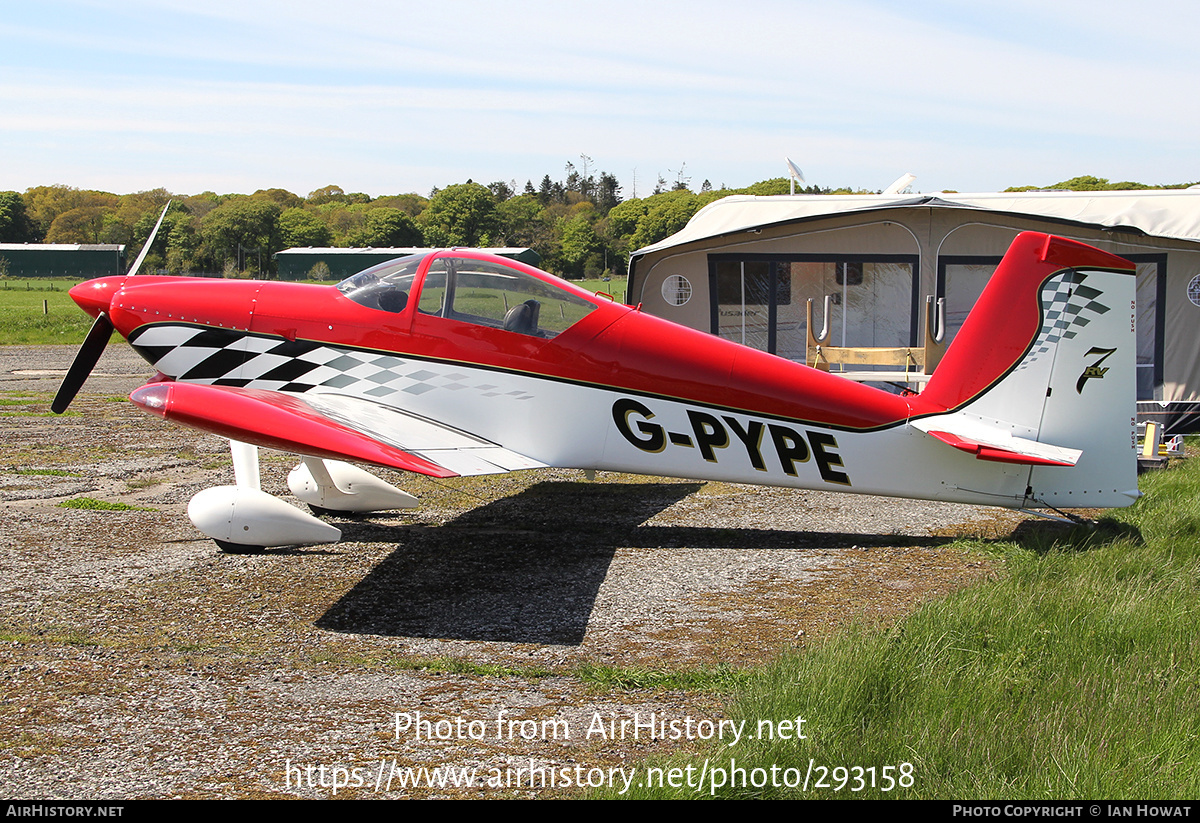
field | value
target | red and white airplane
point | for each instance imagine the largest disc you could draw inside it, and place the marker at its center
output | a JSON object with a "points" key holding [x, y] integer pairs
{"points": [[455, 362]]}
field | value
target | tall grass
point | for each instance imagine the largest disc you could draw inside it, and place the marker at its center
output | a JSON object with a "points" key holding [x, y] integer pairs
{"points": [[1077, 675]]}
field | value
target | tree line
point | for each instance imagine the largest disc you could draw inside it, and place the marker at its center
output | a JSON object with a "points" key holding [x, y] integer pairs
{"points": [[580, 224]]}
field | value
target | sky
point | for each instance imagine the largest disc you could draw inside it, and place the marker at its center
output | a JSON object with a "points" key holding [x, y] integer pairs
{"points": [[392, 96]]}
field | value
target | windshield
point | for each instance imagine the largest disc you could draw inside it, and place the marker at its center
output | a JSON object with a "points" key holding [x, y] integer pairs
{"points": [[489, 293], [386, 286]]}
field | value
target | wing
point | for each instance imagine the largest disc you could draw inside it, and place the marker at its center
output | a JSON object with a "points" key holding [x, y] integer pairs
{"points": [[330, 426]]}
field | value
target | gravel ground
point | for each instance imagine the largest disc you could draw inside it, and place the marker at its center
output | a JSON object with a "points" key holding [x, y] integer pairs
{"points": [[140, 661]]}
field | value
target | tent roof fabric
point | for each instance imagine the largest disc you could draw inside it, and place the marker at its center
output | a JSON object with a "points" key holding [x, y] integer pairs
{"points": [[1172, 213]]}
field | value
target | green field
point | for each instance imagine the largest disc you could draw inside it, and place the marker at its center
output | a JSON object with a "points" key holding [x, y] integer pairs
{"points": [[615, 287], [1075, 675], [24, 320]]}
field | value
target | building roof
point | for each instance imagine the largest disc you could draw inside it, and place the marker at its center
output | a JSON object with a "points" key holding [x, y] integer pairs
{"points": [[1172, 213], [62, 247]]}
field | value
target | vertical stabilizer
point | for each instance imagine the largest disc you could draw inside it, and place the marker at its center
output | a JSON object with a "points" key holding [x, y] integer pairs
{"points": [[1048, 355]]}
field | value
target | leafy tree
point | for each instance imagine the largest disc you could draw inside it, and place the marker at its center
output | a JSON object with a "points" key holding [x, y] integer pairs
{"points": [[282, 197], [245, 224], [574, 181], [177, 246], [327, 194], [15, 224], [767, 188], [298, 227], [132, 210], [410, 204], [579, 242], [81, 225], [624, 218], [501, 190], [342, 219], [199, 205], [45, 203], [1085, 183], [523, 223], [460, 215], [608, 192], [1088, 182], [666, 213], [387, 228], [183, 239]]}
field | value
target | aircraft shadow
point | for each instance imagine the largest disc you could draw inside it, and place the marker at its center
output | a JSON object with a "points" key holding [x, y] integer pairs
{"points": [[527, 568]]}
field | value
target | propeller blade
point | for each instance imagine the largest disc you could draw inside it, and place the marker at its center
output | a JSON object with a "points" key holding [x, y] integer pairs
{"points": [[85, 360], [97, 337], [137, 264]]}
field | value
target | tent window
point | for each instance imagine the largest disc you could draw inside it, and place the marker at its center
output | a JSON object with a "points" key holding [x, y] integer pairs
{"points": [[1151, 288], [960, 282], [761, 300]]}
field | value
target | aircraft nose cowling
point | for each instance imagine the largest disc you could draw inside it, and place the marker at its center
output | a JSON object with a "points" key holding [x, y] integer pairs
{"points": [[95, 296], [225, 304]]}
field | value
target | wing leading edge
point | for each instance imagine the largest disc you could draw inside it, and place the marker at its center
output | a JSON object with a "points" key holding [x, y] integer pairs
{"points": [[330, 426]]}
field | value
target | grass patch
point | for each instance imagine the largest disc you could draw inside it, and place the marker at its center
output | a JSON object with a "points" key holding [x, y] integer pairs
{"points": [[451, 665], [719, 678], [608, 678], [39, 284], [52, 636], [1076, 675], [48, 473], [28, 745], [92, 504], [50, 415]]}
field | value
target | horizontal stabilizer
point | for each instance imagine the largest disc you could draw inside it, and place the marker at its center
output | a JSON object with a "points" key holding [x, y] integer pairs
{"points": [[988, 443]]}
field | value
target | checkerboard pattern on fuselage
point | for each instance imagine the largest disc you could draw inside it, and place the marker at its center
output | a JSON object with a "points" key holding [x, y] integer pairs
{"points": [[226, 357]]}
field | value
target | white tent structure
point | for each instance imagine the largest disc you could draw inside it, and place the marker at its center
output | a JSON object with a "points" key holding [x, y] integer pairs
{"points": [[744, 267]]}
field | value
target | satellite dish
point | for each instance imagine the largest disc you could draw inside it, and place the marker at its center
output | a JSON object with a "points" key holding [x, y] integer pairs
{"points": [[795, 173], [902, 185]]}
